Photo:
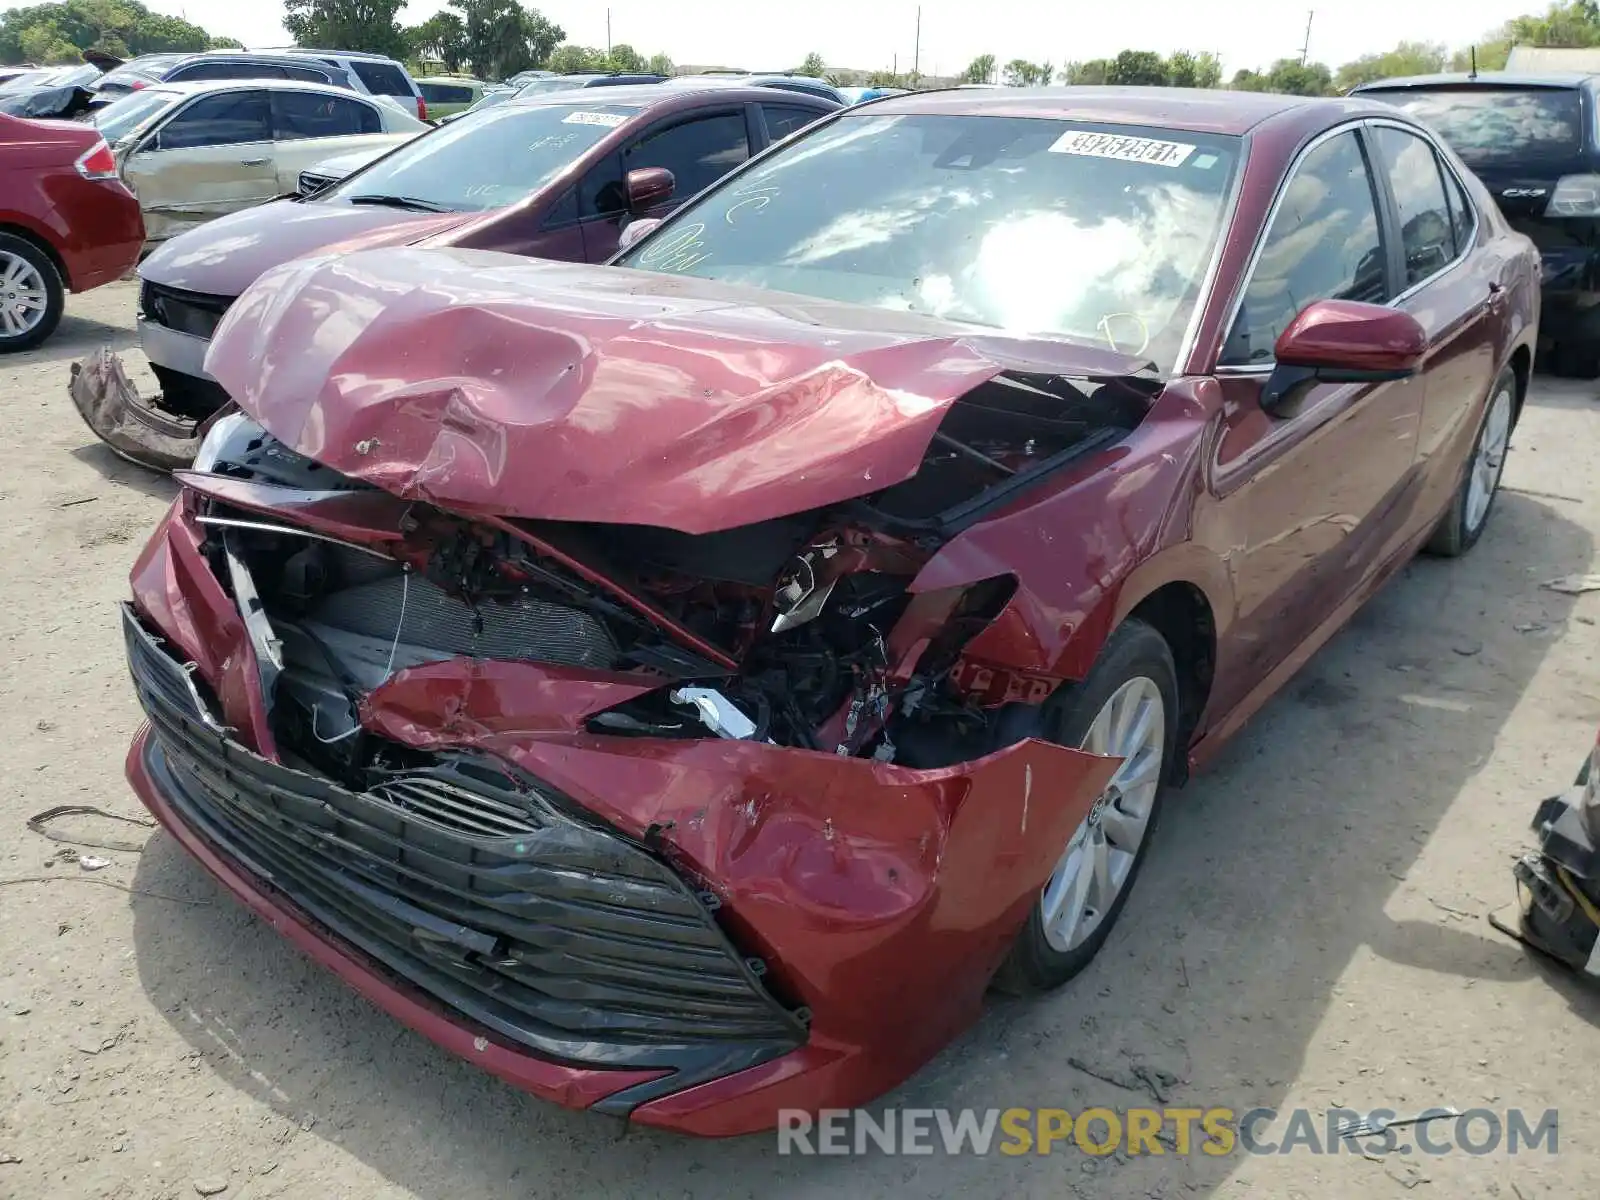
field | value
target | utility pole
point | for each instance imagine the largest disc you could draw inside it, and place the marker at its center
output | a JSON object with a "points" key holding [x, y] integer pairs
{"points": [[608, 33], [1305, 50], [916, 54]]}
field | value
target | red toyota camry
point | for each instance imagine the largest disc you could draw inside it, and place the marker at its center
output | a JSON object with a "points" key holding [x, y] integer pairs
{"points": [[685, 686]]}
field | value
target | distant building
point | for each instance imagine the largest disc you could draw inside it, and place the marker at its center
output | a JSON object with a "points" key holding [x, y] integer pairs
{"points": [[1553, 60]]}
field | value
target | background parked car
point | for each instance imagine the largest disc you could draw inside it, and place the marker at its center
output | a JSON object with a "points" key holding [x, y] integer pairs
{"points": [[447, 95], [1534, 140], [562, 83], [555, 176], [61, 92], [194, 151], [67, 223], [150, 69], [792, 83], [374, 74]]}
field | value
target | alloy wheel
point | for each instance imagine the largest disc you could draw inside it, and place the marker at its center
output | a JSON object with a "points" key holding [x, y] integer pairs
{"points": [[1091, 874], [1488, 459], [23, 299]]}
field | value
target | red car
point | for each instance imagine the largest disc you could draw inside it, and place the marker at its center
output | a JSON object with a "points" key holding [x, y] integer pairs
{"points": [[66, 223], [553, 176], [684, 690]]}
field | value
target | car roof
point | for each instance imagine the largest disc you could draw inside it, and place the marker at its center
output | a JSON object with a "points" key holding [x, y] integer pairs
{"points": [[365, 55], [1554, 79], [655, 95], [461, 79], [190, 87], [1198, 110]]}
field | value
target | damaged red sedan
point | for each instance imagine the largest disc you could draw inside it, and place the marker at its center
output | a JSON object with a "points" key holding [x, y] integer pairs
{"points": [[684, 689]]}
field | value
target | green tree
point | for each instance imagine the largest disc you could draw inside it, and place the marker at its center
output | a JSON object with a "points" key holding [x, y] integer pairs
{"points": [[1138, 68], [1022, 73], [659, 64], [812, 66], [568, 59], [1246, 80], [347, 25], [442, 36], [1188, 70], [224, 43], [979, 70], [62, 31], [1565, 23], [503, 38], [1094, 73], [1408, 58], [1294, 78], [625, 58]]}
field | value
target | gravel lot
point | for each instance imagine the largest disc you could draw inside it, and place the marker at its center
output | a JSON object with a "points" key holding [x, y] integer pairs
{"points": [[1309, 931]]}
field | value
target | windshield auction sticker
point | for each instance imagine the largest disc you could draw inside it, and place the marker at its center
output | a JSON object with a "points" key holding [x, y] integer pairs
{"points": [[609, 120], [1127, 149]]}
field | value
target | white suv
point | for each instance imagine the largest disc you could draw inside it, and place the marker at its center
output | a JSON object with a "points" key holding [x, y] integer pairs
{"points": [[380, 77]]}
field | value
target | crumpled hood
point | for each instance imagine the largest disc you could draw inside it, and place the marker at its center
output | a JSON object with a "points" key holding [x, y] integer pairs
{"points": [[225, 256], [487, 383]]}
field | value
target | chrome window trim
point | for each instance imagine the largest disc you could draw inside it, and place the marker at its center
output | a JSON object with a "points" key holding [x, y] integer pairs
{"points": [[1354, 125], [1444, 163], [1184, 358]]}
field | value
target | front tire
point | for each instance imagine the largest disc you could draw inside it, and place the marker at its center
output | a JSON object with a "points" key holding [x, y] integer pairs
{"points": [[31, 294], [1127, 706], [1468, 515]]}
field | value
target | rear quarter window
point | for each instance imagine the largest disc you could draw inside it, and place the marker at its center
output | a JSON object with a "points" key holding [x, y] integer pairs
{"points": [[382, 79]]}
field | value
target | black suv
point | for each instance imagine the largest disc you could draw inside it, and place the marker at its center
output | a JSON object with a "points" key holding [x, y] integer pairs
{"points": [[1534, 140]]}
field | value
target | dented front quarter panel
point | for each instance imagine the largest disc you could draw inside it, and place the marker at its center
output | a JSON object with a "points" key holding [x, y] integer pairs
{"points": [[1088, 545], [443, 375], [881, 897]]}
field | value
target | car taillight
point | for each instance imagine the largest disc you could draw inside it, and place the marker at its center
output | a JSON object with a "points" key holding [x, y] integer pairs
{"points": [[422, 109], [1575, 196], [97, 163]]}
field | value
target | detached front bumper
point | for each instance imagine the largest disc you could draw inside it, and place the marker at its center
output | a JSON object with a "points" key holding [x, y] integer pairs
{"points": [[120, 417], [694, 934]]}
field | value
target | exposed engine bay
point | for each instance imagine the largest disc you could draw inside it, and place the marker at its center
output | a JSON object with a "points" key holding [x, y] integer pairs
{"points": [[798, 630]]}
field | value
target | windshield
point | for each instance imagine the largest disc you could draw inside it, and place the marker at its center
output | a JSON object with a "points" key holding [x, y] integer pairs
{"points": [[1093, 232], [124, 117], [1485, 124], [494, 159]]}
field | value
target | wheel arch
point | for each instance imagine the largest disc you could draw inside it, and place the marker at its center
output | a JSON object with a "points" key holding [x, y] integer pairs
{"points": [[36, 239]]}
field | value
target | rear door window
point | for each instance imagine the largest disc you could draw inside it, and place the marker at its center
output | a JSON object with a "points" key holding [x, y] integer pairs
{"points": [[1426, 235], [1324, 243], [224, 119], [782, 120], [381, 78], [314, 75], [318, 115], [445, 93], [698, 151], [1498, 125], [1463, 216]]}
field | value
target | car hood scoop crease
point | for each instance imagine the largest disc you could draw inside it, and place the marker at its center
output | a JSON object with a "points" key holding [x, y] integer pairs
{"points": [[484, 383]]}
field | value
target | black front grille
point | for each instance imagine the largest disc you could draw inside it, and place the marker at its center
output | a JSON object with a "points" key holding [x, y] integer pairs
{"points": [[480, 889], [194, 313], [311, 182]]}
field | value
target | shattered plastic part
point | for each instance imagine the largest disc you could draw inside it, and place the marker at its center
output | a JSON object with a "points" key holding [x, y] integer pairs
{"points": [[111, 406], [494, 385]]}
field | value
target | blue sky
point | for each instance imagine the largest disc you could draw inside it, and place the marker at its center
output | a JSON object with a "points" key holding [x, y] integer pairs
{"points": [[764, 34]]}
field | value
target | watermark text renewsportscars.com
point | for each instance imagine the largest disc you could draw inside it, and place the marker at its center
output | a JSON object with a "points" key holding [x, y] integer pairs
{"points": [[1213, 1132]]}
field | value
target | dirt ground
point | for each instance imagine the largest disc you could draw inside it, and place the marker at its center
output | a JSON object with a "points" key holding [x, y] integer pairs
{"points": [[1308, 932]]}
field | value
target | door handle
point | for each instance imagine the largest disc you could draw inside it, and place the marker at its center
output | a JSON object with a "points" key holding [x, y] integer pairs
{"points": [[252, 162]]}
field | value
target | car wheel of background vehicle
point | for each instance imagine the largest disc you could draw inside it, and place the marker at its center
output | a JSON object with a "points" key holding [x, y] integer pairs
{"points": [[1469, 512], [1127, 707], [31, 294], [1576, 359]]}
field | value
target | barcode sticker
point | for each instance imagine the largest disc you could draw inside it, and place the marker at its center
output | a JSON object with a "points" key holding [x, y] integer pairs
{"points": [[1126, 149], [609, 120]]}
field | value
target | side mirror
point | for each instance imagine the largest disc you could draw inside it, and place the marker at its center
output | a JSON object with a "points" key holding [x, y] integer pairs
{"points": [[635, 232], [1344, 341], [648, 187]]}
